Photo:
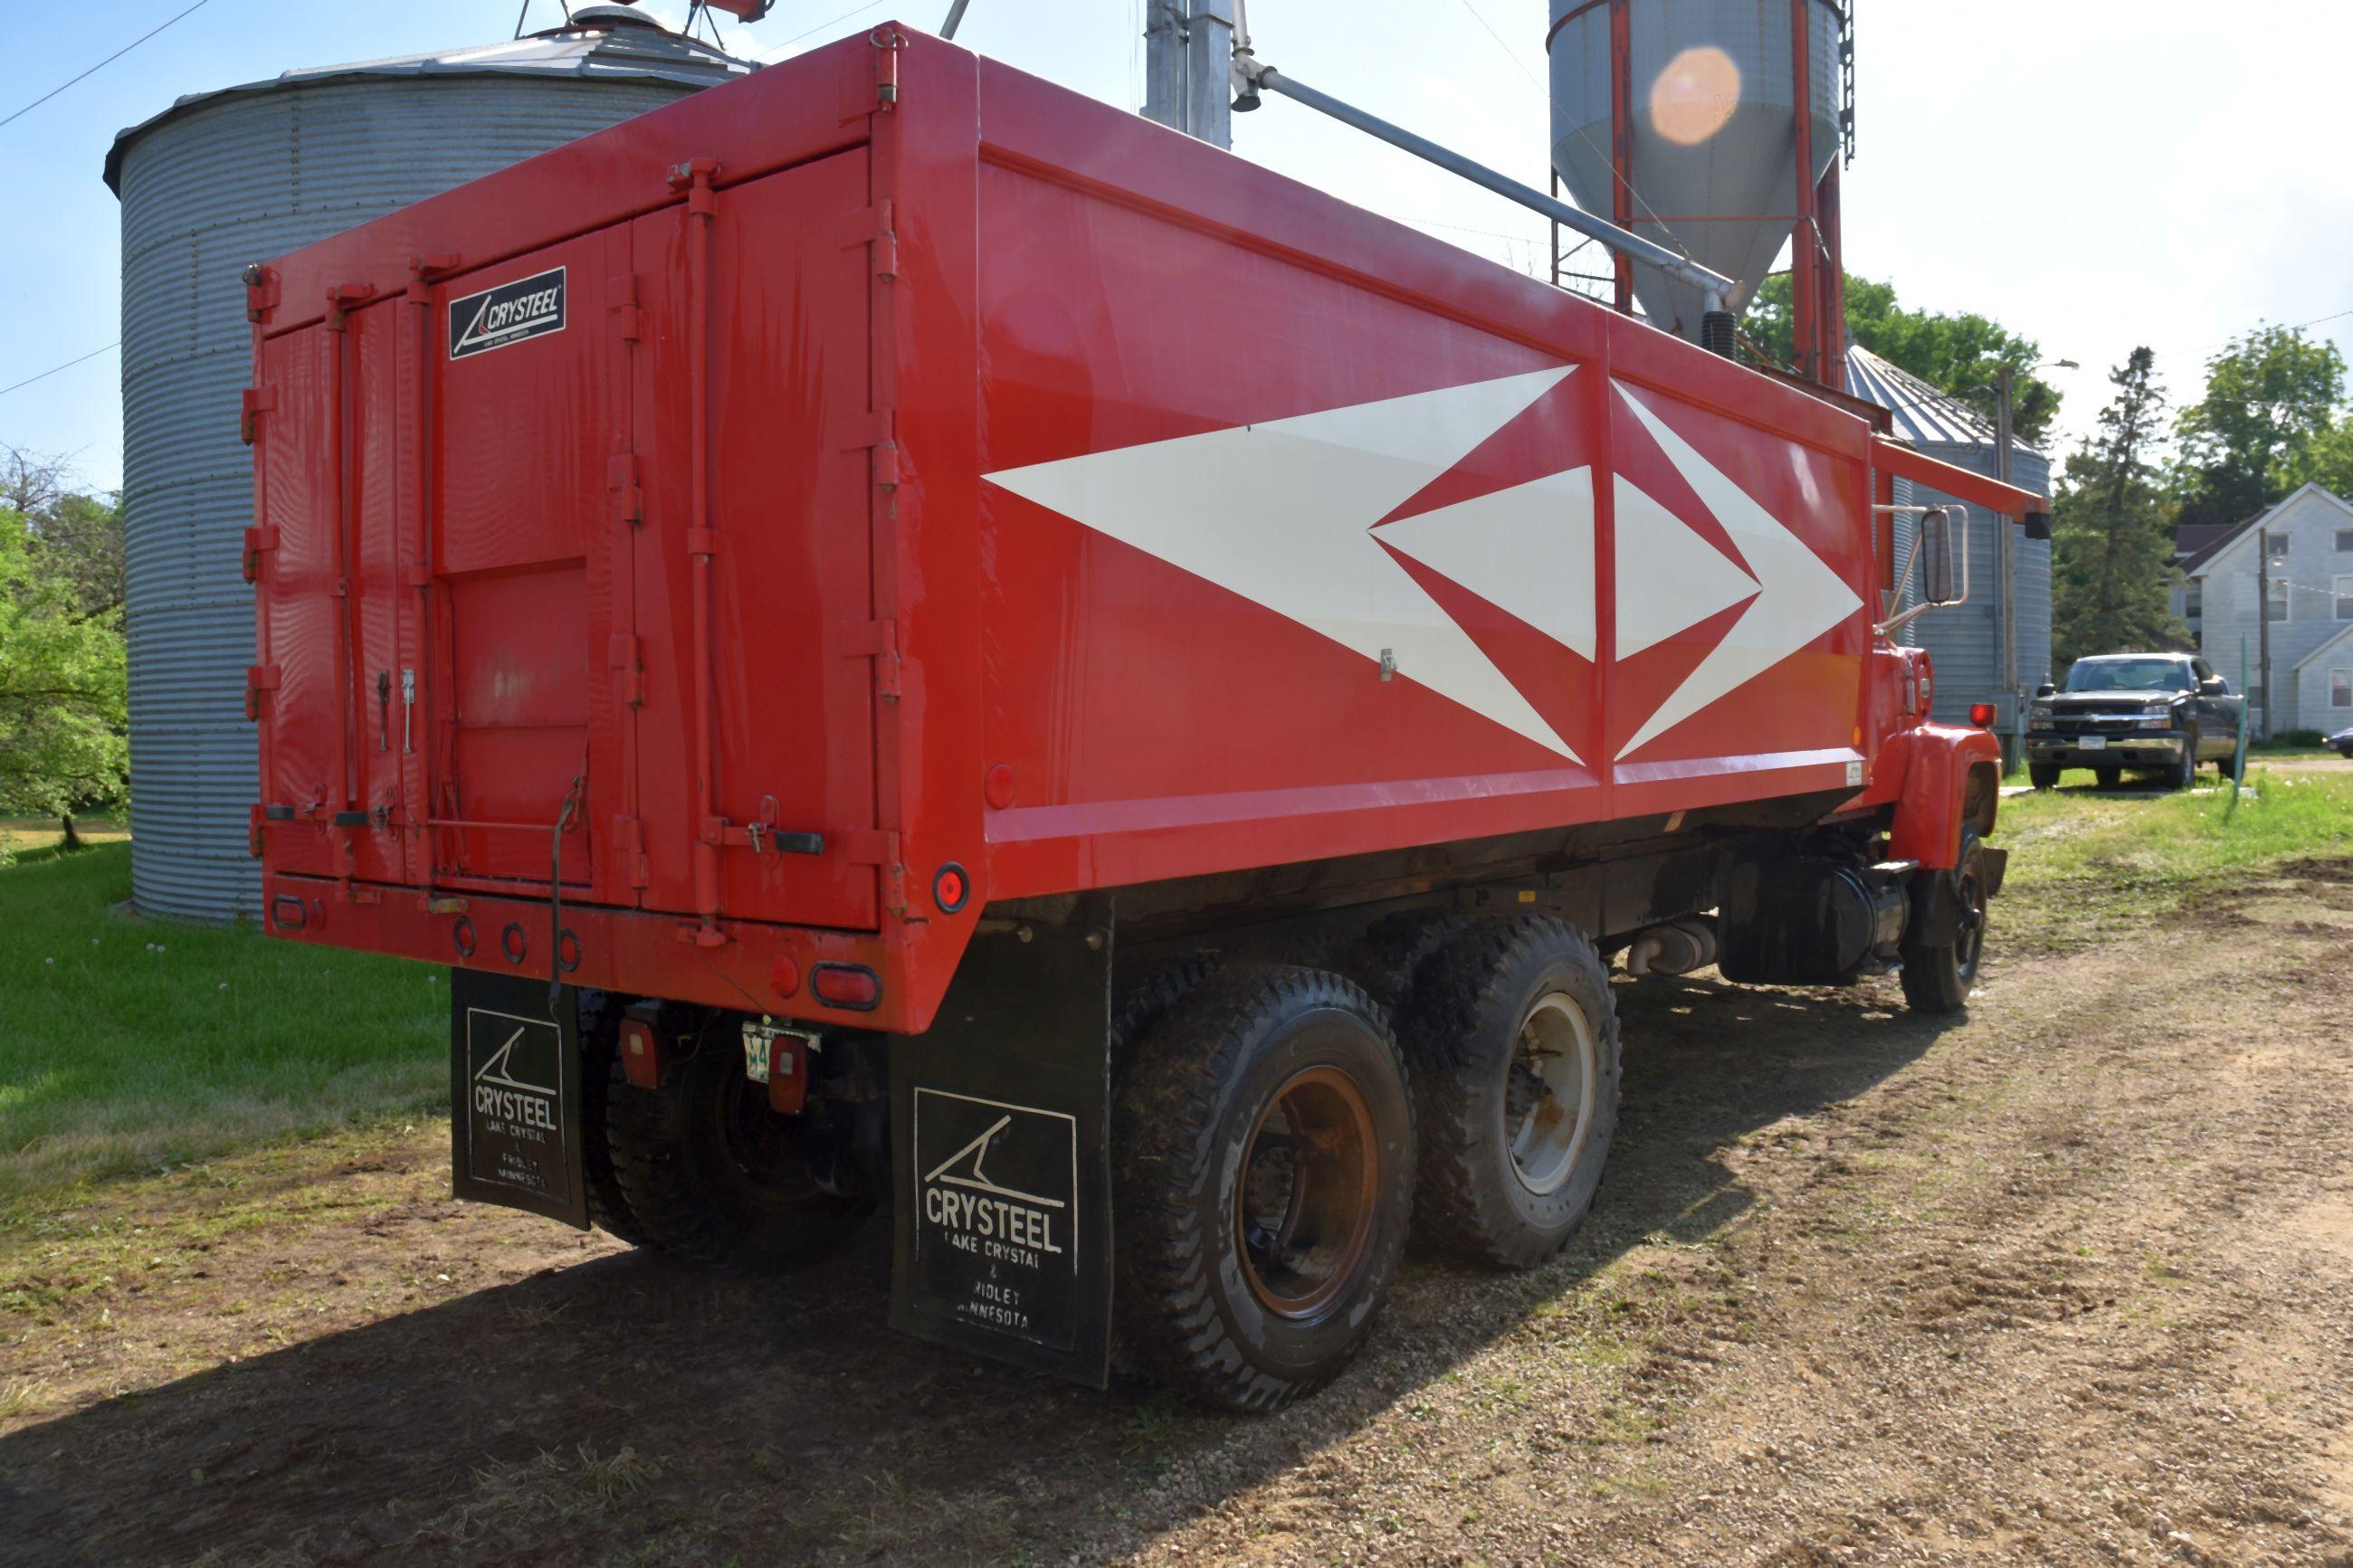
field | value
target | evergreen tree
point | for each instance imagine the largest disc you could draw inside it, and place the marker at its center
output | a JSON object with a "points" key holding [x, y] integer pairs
{"points": [[2112, 529], [2270, 396]]}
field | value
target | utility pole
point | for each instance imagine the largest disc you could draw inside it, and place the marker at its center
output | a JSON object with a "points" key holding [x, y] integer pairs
{"points": [[2263, 620], [2006, 570], [1189, 68]]}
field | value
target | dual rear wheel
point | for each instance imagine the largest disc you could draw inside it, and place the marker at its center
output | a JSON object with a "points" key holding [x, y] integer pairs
{"points": [[1275, 1138]]}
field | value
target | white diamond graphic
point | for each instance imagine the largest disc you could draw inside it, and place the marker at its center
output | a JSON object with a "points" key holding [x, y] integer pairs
{"points": [[1527, 550], [1669, 578], [1282, 513], [1799, 597]]}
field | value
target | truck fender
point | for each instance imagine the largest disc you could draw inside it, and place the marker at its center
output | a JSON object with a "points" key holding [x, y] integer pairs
{"points": [[1952, 779]]}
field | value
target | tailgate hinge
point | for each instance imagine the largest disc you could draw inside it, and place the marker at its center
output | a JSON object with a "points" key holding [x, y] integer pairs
{"points": [[341, 297], [874, 225], [622, 483], [621, 654], [257, 539], [877, 640], [259, 678], [876, 429], [260, 291], [257, 402], [878, 848], [629, 845]]}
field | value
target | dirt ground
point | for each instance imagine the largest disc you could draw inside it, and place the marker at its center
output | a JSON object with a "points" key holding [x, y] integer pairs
{"points": [[2069, 1282]]}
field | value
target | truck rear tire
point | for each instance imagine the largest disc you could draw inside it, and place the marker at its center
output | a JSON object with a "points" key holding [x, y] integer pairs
{"points": [[1262, 1185], [1512, 1041], [1389, 960], [601, 1074], [1937, 975], [711, 1176], [2107, 778], [2044, 776]]}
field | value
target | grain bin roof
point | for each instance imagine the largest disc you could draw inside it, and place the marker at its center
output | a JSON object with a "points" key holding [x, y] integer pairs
{"points": [[602, 41], [1924, 415]]}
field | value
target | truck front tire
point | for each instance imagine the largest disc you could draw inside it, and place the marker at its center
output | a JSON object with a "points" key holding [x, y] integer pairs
{"points": [[1263, 1182], [711, 1176], [1937, 976], [1512, 1038], [2042, 775]]}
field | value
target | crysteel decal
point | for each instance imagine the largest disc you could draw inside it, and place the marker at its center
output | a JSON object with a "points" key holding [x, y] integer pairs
{"points": [[511, 314]]}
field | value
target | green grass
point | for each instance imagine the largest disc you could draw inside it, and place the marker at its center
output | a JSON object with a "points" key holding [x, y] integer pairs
{"points": [[129, 1044], [2080, 857]]}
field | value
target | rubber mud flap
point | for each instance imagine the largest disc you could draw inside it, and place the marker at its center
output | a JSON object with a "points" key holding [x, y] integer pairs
{"points": [[1000, 1163], [515, 1087]]}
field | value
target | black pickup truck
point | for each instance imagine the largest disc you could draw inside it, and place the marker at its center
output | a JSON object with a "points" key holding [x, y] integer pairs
{"points": [[2153, 713]]}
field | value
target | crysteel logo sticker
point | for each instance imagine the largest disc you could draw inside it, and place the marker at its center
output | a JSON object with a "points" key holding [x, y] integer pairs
{"points": [[998, 1189], [511, 314], [514, 1126]]}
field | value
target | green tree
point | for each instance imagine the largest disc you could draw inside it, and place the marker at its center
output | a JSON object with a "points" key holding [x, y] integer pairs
{"points": [[2270, 396], [2112, 529], [1956, 355], [62, 702], [2326, 460]]}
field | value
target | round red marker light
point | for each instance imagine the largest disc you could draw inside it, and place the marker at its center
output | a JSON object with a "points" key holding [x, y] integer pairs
{"points": [[996, 787], [783, 975], [951, 888], [1981, 715]]}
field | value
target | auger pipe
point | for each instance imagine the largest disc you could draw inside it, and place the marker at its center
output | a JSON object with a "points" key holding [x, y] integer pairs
{"points": [[1717, 287]]}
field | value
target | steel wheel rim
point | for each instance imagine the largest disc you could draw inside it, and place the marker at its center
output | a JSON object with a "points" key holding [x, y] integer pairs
{"points": [[1548, 1093], [1970, 944], [1304, 1203]]}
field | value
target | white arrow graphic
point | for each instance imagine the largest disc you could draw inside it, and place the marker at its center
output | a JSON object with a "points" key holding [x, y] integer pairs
{"points": [[1798, 597], [1669, 578], [1527, 550], [1282, 513]]}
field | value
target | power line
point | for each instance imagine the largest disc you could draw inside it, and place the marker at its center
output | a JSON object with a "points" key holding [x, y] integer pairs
{"points": [[94, 70], [774, 50], [55, 368], [1507, 49]]}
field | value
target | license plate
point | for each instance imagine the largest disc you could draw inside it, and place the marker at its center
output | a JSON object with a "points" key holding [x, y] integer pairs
{"points": [[759, 1042], [2092, 743]]}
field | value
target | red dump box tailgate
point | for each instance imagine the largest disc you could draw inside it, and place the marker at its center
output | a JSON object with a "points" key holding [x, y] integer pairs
{"points": [[480, 598]]}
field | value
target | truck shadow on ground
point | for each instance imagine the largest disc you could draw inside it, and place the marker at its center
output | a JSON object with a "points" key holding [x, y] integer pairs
{"points": [[624, 1408]]}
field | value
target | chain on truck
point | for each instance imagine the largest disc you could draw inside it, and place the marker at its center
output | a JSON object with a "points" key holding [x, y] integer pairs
{"points": [[884, 710]]}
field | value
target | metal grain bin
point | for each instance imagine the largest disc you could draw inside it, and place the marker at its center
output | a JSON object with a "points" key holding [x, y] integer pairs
{"points": [[1995, 646], [218, 180]]}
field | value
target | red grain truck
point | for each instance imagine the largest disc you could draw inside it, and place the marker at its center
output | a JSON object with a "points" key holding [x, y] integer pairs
{"points": [[919, 643]]}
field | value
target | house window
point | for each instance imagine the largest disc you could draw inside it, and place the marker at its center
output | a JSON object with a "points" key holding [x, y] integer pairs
{"points": [[2345, 598], [2277, 609], [2345, 541], [2193, 602], [2340, 688]]}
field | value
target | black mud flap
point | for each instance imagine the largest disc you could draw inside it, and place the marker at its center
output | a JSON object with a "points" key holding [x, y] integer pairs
{"points": [[514, 1096], [1001, 1167]]}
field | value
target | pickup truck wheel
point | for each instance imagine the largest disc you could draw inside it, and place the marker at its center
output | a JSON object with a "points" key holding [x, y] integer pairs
{"points": [[713, 1175], [1512, 1040], [1937, 976], [2185, 773], [2042, 775], [1262, 1184]]}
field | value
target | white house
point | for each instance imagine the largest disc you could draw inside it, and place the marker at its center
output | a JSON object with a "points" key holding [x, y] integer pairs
{"points": [[2309, 535]]}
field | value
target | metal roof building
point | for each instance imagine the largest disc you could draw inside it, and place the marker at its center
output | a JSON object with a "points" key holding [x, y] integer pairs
{"points": [[217, 181], [1982, 653]]}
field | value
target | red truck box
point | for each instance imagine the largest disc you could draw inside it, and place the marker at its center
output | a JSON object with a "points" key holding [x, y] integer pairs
{"points": [[895, 558]]}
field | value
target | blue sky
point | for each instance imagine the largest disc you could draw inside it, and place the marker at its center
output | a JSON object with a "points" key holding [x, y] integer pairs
{"points": [[2094, 172]]}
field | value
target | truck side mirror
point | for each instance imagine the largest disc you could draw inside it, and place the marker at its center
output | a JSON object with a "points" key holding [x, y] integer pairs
{"points": [[2046, 689], [1936, 573], [2213, 686]]}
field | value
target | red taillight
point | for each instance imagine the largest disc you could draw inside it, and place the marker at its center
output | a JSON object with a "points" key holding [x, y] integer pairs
{"points": [[788, 1074], [950, 889], [640, 1054], [1981, 715], [850, 986]]}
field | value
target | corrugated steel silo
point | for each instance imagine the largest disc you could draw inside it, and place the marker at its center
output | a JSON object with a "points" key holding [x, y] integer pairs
{"points": [[1711, 130], [1966, 643], [221, 179]]}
